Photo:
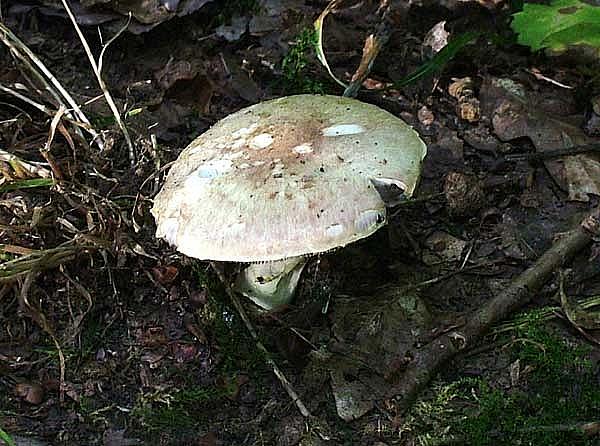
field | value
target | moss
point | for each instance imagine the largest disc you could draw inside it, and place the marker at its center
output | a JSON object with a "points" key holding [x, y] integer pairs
{"points": [[552, 400], [295, 66], [178, 411], [560, 393]]}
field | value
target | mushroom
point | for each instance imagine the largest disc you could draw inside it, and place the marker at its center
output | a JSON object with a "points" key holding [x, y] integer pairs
{"points": [[285, 179]]}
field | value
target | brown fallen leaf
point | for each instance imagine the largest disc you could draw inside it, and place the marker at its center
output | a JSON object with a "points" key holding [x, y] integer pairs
{"points": [[516, 112], [30, 392], [165, 274]]}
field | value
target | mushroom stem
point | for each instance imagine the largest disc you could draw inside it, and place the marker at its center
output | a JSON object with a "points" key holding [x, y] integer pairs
{"points": [[271, 284]]}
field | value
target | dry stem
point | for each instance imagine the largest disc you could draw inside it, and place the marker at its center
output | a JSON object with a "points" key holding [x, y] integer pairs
{"points": [[97, 67], [276, 370], [47, 79]]}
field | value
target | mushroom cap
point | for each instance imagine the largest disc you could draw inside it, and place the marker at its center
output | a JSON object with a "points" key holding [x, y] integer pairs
{"points": [[288, 177]]}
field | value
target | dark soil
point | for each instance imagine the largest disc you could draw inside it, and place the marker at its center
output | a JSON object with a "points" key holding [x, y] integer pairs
{"points": [[151, 349]]}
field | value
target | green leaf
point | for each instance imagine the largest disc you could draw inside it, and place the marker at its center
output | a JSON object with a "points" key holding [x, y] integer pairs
{"points": [[26, 184], [557, 26], [439, 61], [6, 439]]}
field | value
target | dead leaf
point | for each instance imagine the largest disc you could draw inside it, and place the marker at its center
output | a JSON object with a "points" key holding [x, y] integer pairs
{"points": [[33, 393], [165, 274], [580, 318], [153, 337], [234, 31], [190, 324], [368, 342], [183, 352], [516, 113], [443, 247], [464, 194], [436, 38]]}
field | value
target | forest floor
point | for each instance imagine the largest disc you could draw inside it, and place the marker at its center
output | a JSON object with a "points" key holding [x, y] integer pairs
{"points": [[109, 336]]}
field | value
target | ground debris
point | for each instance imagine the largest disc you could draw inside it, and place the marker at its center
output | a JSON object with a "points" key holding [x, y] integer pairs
{"points": [[517, 112], [149, 348]]}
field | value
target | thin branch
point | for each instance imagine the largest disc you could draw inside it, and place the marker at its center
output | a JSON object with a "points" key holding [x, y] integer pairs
{"points": [[554, 153], [276, 370], [47, 110], [110, 41]]}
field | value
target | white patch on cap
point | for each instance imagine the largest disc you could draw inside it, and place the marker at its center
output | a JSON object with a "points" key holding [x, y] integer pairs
{"points": [[368, 219], [204, 174], [244, 131], [213, 168], [343, 129], [238, 143], [261, 141], [303, 148], [169, 231], [236, 155], [334, 231]]}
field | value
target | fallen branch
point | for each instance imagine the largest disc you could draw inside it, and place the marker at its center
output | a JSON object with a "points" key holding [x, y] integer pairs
{"points": [[430, 358]]}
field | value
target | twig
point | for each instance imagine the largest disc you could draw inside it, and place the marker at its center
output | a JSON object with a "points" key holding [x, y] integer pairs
{"points": [[96, 67], [49, 111], [276, 370], [25, 99], [443, 277], [538, 75], [110, 41], [136, 225], [429, 359], [554, 153], [373, 45]]}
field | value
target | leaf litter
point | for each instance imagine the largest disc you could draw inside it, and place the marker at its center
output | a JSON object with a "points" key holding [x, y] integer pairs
{"points": [[140, 343]]}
